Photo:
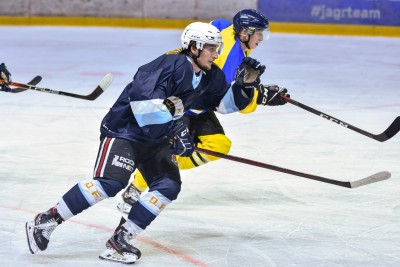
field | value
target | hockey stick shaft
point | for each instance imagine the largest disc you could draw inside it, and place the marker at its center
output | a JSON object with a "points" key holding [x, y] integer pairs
{"points": [[370, 179], [391, 131], [104, 83]]}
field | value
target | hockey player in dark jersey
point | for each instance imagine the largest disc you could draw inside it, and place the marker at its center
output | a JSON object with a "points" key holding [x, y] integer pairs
{"points": [[5, 75], [240, 37], [142, 131]]}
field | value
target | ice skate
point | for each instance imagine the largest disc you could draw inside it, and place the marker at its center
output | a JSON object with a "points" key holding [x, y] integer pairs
{"points": [[129, 197], [39, 230], [119, 249]]}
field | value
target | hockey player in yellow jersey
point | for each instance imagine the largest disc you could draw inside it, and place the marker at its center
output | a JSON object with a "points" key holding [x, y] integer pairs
{"points": [[248, 29]]}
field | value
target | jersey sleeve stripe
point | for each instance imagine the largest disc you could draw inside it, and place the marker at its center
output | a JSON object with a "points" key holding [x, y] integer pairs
{"points": [[227, 104], [151, 111]]}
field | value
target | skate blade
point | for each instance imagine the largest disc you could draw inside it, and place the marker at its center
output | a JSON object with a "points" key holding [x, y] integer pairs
{"points": [[112, 255], [30, 227], [124, 208]]}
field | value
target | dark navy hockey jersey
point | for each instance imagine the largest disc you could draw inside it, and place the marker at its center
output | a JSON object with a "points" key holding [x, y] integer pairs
{"points": [[217, 94], [141, 114]]}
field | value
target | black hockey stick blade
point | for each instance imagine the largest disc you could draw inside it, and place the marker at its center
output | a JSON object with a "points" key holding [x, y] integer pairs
{"points": [[377, 177], [391, 131], [34, 82], [103, 85]]}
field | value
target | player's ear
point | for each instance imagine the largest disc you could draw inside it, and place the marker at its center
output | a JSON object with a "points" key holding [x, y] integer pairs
{"points": [[194, 50], [243, 34]]}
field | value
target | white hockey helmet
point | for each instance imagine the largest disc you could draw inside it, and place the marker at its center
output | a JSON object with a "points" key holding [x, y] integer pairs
{"points": [[202, 33]]}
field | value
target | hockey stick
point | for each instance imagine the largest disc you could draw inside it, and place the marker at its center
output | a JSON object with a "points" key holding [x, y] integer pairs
{"points": [[34, 82], [377, 177], [391, 131], [103, 85]]}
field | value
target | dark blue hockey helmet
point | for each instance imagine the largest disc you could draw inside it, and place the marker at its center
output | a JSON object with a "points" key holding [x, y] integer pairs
{"points": [[251, 20]]}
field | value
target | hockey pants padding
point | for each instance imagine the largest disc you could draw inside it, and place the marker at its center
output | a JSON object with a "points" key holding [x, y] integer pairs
{"points": [[215, 142]]}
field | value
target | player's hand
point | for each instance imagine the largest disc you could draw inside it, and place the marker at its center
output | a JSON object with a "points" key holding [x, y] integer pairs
{"points": [[248, 73], [271, 95], [182, 143], [6, 78]]}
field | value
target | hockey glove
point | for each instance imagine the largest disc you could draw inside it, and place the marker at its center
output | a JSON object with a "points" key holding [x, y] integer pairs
{"points": [[248, 73], [182, 143], [6, 78], [271, 95]]}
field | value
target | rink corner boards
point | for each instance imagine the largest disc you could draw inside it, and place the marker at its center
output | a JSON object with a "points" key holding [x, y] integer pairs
{"points": [[276, 27]]}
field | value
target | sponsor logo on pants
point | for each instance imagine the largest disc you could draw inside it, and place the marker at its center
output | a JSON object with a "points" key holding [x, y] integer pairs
{"points": [[122, 162]]}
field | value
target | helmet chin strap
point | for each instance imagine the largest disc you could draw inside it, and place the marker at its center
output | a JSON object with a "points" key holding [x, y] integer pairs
{"points": [[195, 59]]}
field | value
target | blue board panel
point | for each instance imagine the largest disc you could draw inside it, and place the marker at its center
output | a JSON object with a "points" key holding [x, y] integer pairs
{"points": [[359, 12]]}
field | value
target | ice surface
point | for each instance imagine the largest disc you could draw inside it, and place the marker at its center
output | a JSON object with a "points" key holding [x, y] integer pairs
{"points": [[228, 214]]}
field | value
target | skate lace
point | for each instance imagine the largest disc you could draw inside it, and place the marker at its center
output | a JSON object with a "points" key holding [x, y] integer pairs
{"points": [[122, 242], [47, 228], [128, 238]]}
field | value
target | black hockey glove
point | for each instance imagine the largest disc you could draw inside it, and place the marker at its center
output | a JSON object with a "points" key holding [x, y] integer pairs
{"points": [[271, 95], [248, 73], [6, 78], [182, 143]]}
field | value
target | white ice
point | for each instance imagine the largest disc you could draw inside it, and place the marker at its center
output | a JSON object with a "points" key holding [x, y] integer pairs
{"points": [[228, 214]]}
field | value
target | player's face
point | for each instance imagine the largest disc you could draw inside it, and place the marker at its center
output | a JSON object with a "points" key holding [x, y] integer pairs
{"points": [[256, 39], [207, 56]]}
